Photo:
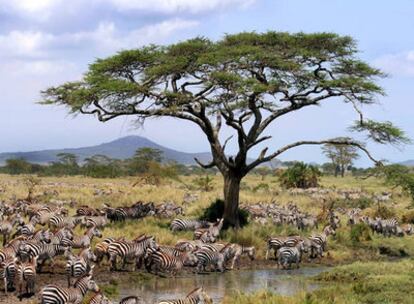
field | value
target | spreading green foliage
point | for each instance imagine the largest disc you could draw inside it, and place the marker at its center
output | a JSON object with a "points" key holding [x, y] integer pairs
{"points": [[300, 175]]}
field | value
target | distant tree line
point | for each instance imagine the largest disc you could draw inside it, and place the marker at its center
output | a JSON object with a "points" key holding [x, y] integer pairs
{"points": [[145, 161]]}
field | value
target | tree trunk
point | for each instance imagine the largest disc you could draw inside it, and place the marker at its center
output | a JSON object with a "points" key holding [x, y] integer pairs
{"points": [[231, 200], [342, 170]]}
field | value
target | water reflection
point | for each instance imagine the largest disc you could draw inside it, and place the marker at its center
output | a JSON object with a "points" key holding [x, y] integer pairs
{"points": [[218, 285]]}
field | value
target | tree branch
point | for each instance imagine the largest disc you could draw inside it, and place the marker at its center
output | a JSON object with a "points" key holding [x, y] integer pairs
{"points": [[263, 159], [205, 166]]}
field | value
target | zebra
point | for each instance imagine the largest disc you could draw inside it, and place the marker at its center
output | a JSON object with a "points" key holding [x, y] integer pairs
{"points": [[387, 227], [188, 224], [59, 221], [79, 265], [97, 221], [43, 252], [186, 245], [197, 296], [11, 249], [213, 231], [322, 238], [236, 251], [165, 262], [87, 211], [130, 250], [207, 257], [303, 222], [52, 294], [275, 243], [286, 256], [63, 236], [29, 228], [6, 226], [101, 249], [8, 273], [99, 298], [41, 236], [26, 273], [84, 241]]}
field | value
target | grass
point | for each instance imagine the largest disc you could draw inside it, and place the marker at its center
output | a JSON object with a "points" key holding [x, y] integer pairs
{"points": [[374, 279]]}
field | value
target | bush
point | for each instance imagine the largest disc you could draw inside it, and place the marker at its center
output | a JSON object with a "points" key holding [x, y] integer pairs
{"points": [[300, 175], [363, 203], [360, 232], [408, 217], [216, 210], [384, 212]]}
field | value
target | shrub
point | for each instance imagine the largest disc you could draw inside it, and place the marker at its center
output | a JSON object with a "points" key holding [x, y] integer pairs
{"points": [[408, 217], [384, 212], [300, 175], [204, 183], [216, 211], [360, 232]]}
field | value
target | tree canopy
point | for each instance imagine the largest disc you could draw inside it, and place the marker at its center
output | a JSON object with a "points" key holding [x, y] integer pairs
{"points": [[246, 81]]}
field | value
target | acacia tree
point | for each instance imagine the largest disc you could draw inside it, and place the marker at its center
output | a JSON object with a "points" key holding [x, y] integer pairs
{"points": [[246, 81], [341, 156]]}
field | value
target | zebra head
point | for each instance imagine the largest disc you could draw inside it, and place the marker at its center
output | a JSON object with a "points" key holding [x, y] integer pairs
{"points": [[190, 259], [251, 252], [89, 255], [96, 232], [18, 220]]}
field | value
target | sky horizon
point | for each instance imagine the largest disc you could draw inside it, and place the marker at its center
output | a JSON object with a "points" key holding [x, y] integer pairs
{"points": [[49, 42]]}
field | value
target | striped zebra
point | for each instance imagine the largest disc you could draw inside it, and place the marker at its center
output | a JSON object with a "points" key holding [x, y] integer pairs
{"points": [[197, 296], [322, 238], [41, 236], [188, 224], [99, 298], [97, 221], [29, 228], [63, 236], [209, 258], [11, 248], [43, 252], [187, 245], [387, 227], [52, 294], [286, 256], [79, 265], [101, 249], [165, 262], [87, 211], [85, 240], [6, 226], [213, 231], [8, 273], [26, 274], [236, 251], [60, 221], [275, 243], [134, 250]]}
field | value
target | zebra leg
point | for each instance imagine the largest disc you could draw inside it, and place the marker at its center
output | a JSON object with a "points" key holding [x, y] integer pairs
{"points": [[267, 253], [5, 285]]}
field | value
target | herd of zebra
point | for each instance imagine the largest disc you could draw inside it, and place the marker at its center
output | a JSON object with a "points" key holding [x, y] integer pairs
{"points": [[34, 234], [386, 227]]}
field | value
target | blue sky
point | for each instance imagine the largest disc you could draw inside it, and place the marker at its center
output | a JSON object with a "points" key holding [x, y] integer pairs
{"points": [[47, 42]]}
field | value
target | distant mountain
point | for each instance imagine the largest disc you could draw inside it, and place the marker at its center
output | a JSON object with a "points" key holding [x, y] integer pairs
{"points": [[121, 148], [409, 163]]}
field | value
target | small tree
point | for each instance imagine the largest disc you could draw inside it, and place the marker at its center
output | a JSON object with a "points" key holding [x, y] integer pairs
{"points": [[245, 81], [300, 175], [31, 182], [144, 158], [341, 156]]}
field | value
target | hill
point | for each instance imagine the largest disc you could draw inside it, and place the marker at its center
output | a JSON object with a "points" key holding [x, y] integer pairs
{"points": [[409, 163], [121, 148]]}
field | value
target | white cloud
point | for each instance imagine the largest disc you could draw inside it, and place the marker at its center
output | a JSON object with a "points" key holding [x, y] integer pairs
{"points": [[104, 40], [397, 64], [173, 6]]}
